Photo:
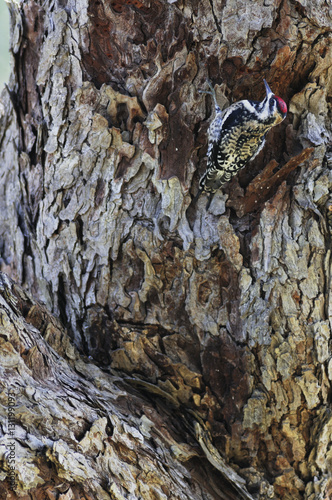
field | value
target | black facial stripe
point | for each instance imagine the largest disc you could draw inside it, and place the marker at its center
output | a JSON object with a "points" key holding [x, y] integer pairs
{"points": [[272, 103]]}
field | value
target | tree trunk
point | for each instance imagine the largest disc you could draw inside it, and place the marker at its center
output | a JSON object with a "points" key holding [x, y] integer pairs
{"points": [[208, 331]]}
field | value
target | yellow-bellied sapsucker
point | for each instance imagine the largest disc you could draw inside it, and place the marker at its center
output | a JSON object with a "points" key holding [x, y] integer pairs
{"points": [[236, 136]]}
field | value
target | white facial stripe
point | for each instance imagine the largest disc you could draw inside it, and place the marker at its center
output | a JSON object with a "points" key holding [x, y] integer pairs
{"points": [[265, 111], [249, 107]]}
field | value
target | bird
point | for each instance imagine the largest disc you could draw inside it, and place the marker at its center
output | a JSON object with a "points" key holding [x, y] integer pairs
{"points": [[236, 135]]}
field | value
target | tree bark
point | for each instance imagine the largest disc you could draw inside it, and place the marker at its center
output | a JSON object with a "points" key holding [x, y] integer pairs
{"points": [[208, 332]]}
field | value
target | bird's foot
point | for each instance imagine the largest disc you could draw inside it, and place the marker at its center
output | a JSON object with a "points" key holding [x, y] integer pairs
{"points": [[211, 92]]}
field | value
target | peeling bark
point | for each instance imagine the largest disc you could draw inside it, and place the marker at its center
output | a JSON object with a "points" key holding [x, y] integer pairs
{"points": [[209, 333], [84, 432]]}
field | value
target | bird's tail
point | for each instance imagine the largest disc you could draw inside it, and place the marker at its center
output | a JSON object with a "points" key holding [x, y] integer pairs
{"points": [[209, 201], [199, 192]]}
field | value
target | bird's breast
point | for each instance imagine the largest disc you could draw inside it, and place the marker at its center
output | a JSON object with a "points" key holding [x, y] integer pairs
{"points": [[239, 144]]}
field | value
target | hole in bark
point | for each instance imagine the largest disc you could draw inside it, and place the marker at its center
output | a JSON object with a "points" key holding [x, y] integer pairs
{"points": [[109, 428], [100, 192], [62, 300], [117, 7], [122, 115], [153, 298], [135, 277], [164, 224], [204, 292], [79, 229], [66, 200]]}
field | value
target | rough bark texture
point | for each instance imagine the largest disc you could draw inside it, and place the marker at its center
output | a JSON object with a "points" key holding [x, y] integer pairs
{"points": [[85, 433], [225, 314]]}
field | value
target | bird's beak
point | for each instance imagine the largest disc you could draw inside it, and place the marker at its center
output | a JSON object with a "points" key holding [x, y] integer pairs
{"points": [[268, 90]]}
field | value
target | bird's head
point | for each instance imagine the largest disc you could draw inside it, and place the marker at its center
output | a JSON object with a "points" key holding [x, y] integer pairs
{"points": [[274, 106]]}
